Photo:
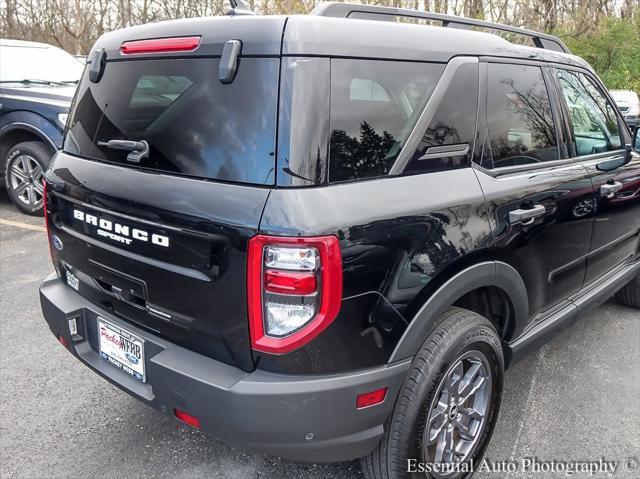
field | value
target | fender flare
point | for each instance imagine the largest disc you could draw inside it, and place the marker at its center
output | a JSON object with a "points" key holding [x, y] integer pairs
{"points": [[33, 123], [489, 273]]}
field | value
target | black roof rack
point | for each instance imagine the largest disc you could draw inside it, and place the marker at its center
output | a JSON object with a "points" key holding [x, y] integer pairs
{"points": [[375, 12]]}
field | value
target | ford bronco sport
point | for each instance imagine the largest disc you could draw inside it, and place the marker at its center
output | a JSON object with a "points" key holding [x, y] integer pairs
{"points": [[326, 236]]}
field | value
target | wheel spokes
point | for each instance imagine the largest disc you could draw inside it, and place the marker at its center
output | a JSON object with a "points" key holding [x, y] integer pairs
{"points": [[18, 173], [469, 378], [445, 445], [21, 188], [472, 413], [455, 377], [453, 426], [39, 188], [26, 180], [466, 432], [437, 421], [479, 382], [31, 195]]}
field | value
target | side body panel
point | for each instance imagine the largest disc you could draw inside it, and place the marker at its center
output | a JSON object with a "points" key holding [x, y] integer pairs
{"points": [[550, 253], [398, 236]]}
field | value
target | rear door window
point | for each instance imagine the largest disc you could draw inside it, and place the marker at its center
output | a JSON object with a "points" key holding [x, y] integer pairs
{"points": [[374, 107], [195, 125], [519, 117]]}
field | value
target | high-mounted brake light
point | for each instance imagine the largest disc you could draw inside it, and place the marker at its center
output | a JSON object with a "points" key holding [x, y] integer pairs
{"points": [[294, 290], [160, 45]]}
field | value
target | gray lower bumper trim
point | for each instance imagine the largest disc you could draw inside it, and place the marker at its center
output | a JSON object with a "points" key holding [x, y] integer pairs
{"points": [[310, 418]]}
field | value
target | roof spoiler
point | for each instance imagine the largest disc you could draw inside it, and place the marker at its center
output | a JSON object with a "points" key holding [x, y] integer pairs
{"points": [[374, 12]]}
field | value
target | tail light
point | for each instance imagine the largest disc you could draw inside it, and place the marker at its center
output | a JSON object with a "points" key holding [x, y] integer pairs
{"points": [[294, 288], [46, 216]]}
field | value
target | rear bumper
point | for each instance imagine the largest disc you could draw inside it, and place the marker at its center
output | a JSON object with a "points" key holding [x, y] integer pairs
{"points": [[310, 418]]}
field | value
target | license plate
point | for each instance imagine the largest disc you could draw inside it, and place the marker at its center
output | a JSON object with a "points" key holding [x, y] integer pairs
{"points": [[122, 349]]}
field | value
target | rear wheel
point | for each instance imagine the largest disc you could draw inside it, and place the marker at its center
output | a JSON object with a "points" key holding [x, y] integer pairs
{"points": [[25, 167], [630, 294], [448, 405]]}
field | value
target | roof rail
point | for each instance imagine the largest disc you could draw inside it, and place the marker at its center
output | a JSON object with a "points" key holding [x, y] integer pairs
{"points": [[375, 12]]}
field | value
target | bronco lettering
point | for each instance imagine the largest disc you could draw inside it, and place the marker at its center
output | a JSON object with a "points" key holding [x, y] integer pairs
{"points": [[118, 232]]}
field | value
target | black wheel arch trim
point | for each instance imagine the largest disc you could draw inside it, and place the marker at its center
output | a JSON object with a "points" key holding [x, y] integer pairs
{"points": [[30, 128], [489, 273]]}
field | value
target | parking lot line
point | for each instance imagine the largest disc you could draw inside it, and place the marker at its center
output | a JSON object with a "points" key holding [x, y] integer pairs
{"points": [[19, 224]]}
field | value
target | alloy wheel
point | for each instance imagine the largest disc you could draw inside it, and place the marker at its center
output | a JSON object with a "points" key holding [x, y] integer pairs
{"points": [[26, 181], [458, 413]]}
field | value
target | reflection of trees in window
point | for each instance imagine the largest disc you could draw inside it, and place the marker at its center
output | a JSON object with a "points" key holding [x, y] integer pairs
{"points": [[530, 129], [533, 106], [367, 156], [439, 134]]}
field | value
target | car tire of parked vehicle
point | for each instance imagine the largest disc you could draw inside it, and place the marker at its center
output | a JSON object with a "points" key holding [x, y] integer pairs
{"points": [[630, 294], [462, 354], [24, 170]]}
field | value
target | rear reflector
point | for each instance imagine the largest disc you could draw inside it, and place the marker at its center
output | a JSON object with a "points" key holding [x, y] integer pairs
{"points": [[160, 45], [371, 398], [187, 418], [63, 341]]}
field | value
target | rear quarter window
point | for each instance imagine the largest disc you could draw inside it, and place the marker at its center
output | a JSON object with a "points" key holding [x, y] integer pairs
{"points": [[374, 107], [195, 125]]}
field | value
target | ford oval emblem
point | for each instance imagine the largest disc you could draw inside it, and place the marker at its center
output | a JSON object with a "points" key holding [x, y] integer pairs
{"points": [[57, 242], [132, 358]]}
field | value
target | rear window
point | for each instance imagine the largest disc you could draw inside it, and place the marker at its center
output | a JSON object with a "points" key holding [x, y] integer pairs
{"points": [[195, 125], [374, 107]]}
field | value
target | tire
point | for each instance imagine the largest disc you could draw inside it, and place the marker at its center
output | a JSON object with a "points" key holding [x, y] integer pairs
{"points": [[630, 294], [461, 337], [25, 165]]}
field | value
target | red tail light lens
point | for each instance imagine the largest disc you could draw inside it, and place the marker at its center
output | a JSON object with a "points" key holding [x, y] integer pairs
{"points": [[46, 216], [294, 290], [160, 45], [290, 282]]}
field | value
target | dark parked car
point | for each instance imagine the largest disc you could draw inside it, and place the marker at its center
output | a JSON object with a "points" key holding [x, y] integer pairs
{"points": [[37, 82], [326, 236]]}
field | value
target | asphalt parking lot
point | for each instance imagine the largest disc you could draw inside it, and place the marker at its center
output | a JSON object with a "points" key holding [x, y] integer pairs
{"points": [[576, 399]]}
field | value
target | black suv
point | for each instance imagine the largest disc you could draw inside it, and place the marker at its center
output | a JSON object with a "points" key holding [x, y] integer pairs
{"points": [[37, 83], [326, 236]]}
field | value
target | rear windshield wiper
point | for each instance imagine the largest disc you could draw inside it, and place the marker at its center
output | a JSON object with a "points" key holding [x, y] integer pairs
{"points": [[138, 149], [28, 81]]}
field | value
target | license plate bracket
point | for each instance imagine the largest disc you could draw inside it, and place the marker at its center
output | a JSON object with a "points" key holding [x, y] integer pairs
{"points": [[121, 349]]}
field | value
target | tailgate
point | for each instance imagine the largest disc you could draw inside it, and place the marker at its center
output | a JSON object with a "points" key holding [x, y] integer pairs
{"points": [[164, 252]]}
